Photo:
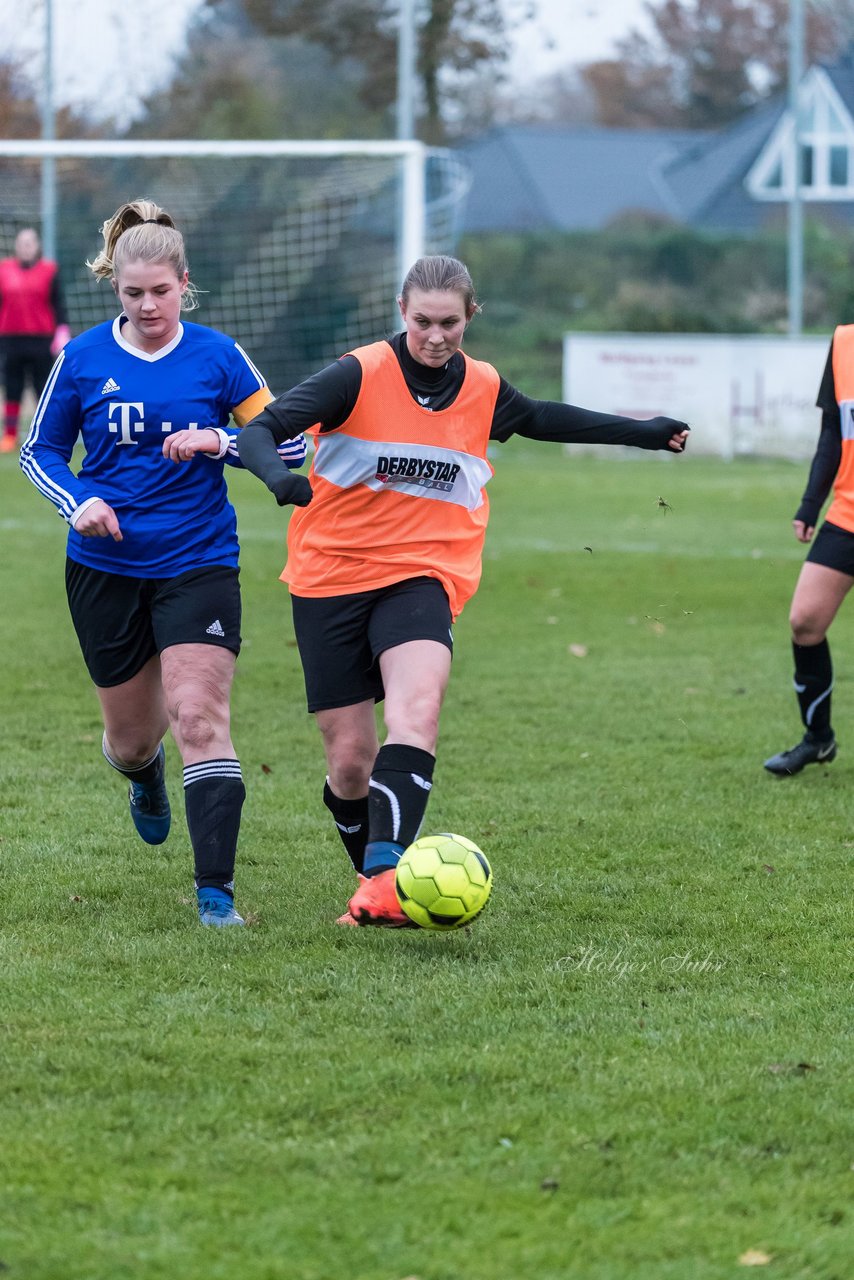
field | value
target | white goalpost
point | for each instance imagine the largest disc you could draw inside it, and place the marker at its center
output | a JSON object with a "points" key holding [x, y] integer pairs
{"points": [[298, 248]]}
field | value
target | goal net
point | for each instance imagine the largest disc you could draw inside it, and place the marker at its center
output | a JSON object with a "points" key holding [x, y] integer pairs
{"points": [[298, 249]]}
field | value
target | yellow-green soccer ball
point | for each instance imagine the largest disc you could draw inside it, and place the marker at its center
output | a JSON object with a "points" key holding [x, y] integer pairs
{"points": [[443, 882]]}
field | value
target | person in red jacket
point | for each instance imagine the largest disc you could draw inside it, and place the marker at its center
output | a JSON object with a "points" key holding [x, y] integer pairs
{"points": [[33, 327]]}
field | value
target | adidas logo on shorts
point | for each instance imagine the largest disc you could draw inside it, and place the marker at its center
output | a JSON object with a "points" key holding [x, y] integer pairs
{"points": [[215, 629]]}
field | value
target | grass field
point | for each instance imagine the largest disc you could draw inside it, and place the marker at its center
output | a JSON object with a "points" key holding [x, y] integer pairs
{"points": [[636, 1066]]}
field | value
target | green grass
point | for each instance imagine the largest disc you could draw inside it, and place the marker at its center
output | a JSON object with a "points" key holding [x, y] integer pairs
{"points": [[636, 1066]]}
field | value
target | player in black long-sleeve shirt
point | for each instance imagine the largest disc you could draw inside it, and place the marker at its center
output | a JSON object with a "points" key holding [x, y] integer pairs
{"points": [[828, 572], [328, 398], [387, 548]]}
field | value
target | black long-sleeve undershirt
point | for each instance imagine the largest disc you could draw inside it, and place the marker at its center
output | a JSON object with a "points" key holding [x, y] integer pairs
{"points": [[828, 453], [825, 464], [328, 398]]}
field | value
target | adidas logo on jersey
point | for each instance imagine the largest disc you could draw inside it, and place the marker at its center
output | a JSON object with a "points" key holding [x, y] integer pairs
{"points": [[110, 385], [215, 629]]}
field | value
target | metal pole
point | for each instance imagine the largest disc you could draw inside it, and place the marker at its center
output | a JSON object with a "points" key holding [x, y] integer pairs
{"points": [[795, 264], [406, 71], [414, 207], [411, 193], [48, 175]]}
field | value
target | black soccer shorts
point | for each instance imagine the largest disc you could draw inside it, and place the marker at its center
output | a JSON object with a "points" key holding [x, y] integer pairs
{"points": [[340, 638], [833, 547], [122, 622]]}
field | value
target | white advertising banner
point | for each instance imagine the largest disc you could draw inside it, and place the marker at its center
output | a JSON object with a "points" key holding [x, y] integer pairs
{"points": [[739, 394]]}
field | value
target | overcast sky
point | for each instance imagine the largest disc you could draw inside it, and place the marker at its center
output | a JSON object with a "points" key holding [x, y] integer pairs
{"points": [[105, 49], [572, 31]]}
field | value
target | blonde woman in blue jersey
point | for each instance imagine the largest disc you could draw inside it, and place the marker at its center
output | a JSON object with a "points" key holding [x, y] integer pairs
{"points": [[152, 554]]}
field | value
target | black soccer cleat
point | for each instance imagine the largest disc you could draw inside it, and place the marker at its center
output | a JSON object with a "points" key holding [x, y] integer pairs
{"points": [[809, 751]]}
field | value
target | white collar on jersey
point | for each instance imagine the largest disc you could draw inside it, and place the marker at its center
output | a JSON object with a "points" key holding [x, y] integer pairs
{"points": [[135, 351]]}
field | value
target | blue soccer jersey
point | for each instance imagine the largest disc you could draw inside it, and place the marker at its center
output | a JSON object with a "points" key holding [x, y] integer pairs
{"points": [[123, 402]]}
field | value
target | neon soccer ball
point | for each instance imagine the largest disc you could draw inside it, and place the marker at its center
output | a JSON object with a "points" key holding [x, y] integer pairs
{"points": [[443, 881]]}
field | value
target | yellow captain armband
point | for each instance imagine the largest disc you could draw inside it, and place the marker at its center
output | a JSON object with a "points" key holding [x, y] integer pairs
{"points": [[252, 406]]}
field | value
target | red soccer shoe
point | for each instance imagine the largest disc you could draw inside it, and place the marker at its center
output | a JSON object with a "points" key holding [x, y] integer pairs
{"points": [[375, 903]]}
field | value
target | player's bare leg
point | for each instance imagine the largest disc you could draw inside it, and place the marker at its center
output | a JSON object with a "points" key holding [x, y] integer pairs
{"points": [[818, 595], [135, 720]]}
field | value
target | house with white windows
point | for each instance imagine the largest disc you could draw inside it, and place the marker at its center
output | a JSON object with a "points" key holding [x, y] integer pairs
{"points": [[739, 179]]}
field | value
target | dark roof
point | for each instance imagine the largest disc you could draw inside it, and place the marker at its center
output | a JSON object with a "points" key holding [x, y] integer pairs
{"points": [[527, 177], [540, 177], [709, 176]]}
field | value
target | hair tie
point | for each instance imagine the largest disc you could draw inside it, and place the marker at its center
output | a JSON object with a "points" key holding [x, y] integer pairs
{"points": [[156, 220]]}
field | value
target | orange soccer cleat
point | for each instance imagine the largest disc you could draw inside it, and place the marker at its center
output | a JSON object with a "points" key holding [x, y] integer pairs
{"points": [[347, 920], [375, 903], [8, 444]]}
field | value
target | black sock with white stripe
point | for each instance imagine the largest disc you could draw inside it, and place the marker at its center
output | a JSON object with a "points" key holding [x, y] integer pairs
{"points": [[213, 797], [400, 786], [351, 819], [813, 685], [148, 772]]}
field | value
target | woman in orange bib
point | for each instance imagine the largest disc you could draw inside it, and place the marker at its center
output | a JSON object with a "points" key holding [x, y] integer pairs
{"points": [[828, 571], [385, 549]]}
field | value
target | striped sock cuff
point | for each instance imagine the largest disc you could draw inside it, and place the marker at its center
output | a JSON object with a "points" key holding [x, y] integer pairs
{"points": [[128, 771], [206, 770]]}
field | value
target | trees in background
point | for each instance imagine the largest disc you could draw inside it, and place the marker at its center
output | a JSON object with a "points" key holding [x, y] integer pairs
{"points": [[297, 68], [457, 41], [236, 81], [641, 277], [707, 61], [328, 68], [562, 98], [20, 112]]}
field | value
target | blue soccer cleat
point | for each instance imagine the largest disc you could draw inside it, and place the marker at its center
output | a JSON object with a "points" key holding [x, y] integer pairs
{"points": [[149, 805], [216, 907]]}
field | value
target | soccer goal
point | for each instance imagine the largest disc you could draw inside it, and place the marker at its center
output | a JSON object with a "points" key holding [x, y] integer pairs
{"points": [[298, 249]]}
